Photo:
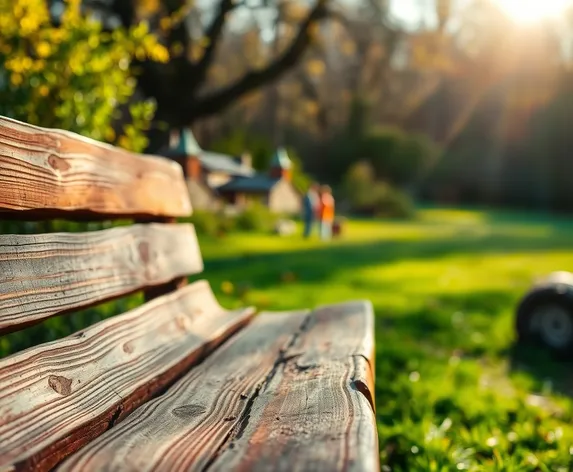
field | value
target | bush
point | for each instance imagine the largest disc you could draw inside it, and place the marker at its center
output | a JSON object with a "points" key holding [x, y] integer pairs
{"points": [[256, 218], [358, 185], [374, 198], [391, 202], [206, 222]]}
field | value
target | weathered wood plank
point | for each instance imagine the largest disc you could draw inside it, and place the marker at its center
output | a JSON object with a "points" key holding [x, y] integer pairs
{"points": [[317, 411], [56, 397], [174, 284], [50, 173], [291, 392], [46, 274]]}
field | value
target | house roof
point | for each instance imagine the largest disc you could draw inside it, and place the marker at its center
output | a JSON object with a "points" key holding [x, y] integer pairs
{"points": [[256, 183], [214, 161], [280, 159], [187, 145]]}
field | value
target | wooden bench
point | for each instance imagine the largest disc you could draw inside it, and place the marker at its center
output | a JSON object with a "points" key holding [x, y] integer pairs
{"points": [[179, 383]]}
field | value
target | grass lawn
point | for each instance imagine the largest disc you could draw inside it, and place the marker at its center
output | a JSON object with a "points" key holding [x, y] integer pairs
{"points": [[452, 391]]}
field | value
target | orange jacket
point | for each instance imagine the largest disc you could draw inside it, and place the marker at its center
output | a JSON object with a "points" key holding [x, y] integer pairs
{"points": [[326, 212]]}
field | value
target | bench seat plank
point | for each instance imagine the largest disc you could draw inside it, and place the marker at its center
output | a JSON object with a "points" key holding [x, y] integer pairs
{"points": [[56, 397], [292, 391], [46, 173], [47, 274]]}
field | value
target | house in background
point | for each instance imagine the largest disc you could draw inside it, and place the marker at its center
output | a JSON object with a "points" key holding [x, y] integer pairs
{"points": [[215, 179], [273, 189]]}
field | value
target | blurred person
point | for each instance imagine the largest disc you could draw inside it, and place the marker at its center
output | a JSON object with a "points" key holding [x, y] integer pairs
{"points": [[326, 214], [310, 208]]}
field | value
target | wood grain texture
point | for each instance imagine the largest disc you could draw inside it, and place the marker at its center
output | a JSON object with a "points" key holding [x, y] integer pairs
{"points": [[291, 392], [317, 410], [172, 285], [51, 173], [56, 397], [46, 274]]}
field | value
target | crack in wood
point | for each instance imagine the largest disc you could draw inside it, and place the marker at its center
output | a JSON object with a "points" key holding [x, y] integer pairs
{"points": [[114, 417], [243, 420]]}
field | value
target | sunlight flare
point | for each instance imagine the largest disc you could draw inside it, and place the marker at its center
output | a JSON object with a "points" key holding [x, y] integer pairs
{"points": [[530, 11]]}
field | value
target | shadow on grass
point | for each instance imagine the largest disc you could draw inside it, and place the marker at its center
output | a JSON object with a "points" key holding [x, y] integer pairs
{"points": [[263, 270], [550, 374]]}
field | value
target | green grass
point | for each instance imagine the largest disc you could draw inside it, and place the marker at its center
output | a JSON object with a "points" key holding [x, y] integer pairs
{"points": [[452, 391]]}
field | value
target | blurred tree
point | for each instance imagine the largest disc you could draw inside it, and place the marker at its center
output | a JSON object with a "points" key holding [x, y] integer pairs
{"points": [[193, 35], [72, 76], [399, 157]]}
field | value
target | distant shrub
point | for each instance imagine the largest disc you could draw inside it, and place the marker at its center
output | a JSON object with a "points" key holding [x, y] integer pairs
{"points": [[256, 217], [391, 202], [206, 223], [367, 196]]}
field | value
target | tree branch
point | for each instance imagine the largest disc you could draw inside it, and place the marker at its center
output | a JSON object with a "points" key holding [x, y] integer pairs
{"points": [[214, 34], [213, 103]]}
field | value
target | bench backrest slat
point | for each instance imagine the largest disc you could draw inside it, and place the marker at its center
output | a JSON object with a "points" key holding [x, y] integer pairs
{"points": [[50, 173], [46, 274], [56, 397]]}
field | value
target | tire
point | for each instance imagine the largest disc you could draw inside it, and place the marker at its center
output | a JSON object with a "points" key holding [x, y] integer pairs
{"points": [[545, 317]]}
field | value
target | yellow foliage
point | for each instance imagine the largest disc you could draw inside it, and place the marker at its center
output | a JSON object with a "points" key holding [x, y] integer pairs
{"points": [[43, 49], [165, 23], [67, 76], [315, 67], [429, 50], [16, 79], [348, 47], [123, 142], [311, 107], [110, 134], [294, 12], [147, 7], [158, 53], [196, 52]]}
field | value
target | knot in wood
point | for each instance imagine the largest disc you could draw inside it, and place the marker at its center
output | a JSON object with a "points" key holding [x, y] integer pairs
{"points": [[59, 384], [57, 163], [189, 411]]}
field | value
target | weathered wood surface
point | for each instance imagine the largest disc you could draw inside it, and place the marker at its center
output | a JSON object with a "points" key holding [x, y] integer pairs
{"points": [[56, 397], [291, 392], [170, 286], [50, 173], [46, 274]]}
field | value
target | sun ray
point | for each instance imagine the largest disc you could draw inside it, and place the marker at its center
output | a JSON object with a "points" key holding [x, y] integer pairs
{"points": [[531, 11]]}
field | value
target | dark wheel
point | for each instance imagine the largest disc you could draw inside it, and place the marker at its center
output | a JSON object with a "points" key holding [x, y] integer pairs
{"points": [[545, 316]]}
